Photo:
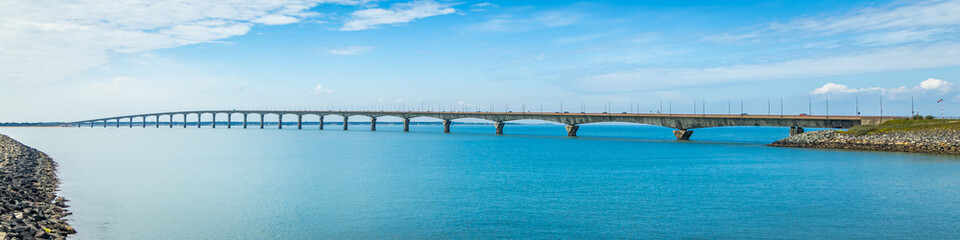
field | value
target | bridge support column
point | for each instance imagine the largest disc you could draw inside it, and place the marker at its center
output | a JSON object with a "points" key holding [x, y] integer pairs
{"points": [[184, 120], [261, 120], [572, 130], [229, 120], [130, 123], [244, 121], [446, 126], [373, 124], [157, 121], [346, 122], [406, 124], [171, 120], [280, 121], [796, 130], [213, 124], [499, 125], [299, 122], [198, 119], [105, 123], [682, 134], [321, 122], [143, 121]]}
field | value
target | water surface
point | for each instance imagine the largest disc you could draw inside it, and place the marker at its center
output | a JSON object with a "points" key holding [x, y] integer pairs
{"points": [[612, 182]]}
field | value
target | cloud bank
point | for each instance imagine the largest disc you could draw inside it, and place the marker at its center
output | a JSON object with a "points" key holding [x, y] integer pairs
{"points": [[929, 85]]}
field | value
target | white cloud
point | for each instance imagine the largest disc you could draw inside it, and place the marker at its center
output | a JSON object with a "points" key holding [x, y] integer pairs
{"points": [[900, 22], [833, 88], [480, 7], [936, 84], [901, 36], [539, 20], [45, 41], [894, 16], [349, 51], [397, 14], [319, 89], [927, 85], [873, 60]]}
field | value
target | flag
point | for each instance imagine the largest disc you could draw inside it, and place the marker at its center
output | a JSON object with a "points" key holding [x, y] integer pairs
{"points": [[941, 100]]}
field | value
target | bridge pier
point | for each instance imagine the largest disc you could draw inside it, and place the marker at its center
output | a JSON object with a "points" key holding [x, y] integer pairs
{"points": [[346, 122], [261, 120], [171, 120], [373, 124], [572, 130], [446, 126], [682, 134], [280, 121], [499, 125], [157, 121], [143, 120], [321, 122], [244, 121], [299, 122], [229, 120], [184, 120], [406, 124], [130, 123], [105, 123], [796, 130], [213, 124], [198, 119]]}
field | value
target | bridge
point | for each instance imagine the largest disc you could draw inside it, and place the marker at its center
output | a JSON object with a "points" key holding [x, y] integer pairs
{"points": [[683, 123]]}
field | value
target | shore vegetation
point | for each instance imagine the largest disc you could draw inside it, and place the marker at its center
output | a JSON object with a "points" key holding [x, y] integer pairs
{"points": [[915, 123]]}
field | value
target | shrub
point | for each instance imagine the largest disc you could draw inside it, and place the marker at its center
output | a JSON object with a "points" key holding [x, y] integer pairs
{"points": [[860, 130], [917, 117], [929, 116]]}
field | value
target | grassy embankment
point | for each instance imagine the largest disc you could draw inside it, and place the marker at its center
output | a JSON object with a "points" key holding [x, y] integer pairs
{"points": [[912, 124]]}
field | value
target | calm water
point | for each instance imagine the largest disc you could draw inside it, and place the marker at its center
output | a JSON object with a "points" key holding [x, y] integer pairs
{"points": [[612, 182]]}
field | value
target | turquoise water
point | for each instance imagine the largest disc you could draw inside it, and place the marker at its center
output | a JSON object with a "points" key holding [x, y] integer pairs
{"points": [[612, 182]]}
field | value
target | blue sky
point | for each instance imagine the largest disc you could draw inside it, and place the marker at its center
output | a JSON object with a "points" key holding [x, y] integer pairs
{"points": [[89, 59]]}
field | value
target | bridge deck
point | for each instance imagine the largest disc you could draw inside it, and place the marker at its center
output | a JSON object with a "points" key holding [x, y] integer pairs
{"points": [[681, 122]]}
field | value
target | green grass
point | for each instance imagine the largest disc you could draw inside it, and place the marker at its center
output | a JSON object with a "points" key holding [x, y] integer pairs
{"points": [[903, 125]]}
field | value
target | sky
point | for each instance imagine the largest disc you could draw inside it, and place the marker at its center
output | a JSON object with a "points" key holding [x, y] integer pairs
{"points": [[75, 60]]}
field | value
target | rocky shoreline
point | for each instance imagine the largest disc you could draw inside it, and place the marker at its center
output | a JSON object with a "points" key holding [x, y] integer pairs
{"points": [[938, 141], [29, 206]]}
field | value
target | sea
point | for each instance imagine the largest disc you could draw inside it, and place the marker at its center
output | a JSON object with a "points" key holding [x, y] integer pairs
{"points": [[613, 181]]}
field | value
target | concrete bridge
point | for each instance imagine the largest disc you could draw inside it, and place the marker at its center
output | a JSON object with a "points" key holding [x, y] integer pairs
{"points": [[683, 123]]}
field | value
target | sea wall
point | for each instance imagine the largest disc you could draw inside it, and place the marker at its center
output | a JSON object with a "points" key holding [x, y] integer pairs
{"points": [[939, 141], [29, 206]]}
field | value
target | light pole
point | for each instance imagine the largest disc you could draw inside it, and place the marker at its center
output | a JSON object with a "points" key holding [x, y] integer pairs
{"points": [[881, 105], [694, 106]]}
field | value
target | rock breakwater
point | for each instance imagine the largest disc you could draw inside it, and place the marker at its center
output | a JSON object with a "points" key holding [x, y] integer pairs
{"points": [[938, 141], [29, 206]]}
